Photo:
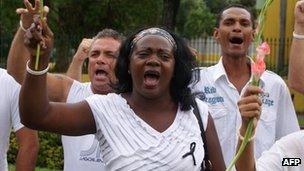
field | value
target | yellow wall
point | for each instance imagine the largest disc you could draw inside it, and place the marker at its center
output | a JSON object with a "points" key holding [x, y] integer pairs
{"points": [[298, 101], [272, 30], [272, 27], [290, 17], [85, 78]]}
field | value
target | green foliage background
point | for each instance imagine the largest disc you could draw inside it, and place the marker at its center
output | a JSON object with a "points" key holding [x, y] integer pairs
{"points": [[50, 151], [72, 20]]}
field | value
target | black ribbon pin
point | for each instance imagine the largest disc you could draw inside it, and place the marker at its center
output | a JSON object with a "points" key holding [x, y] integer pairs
{"points": [[191, 152]]}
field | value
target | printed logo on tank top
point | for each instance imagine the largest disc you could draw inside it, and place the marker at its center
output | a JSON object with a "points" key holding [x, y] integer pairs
{"points": [[92, 154]]}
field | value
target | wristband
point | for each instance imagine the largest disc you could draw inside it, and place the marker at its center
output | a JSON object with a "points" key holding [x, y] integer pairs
{"points": [[21, 26], [29, 70], [297, 36], [242, 138]]}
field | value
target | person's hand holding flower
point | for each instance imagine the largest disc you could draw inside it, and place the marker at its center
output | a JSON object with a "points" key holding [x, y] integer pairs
{"points": [[27, 14], [39, 33], [250, 107]]}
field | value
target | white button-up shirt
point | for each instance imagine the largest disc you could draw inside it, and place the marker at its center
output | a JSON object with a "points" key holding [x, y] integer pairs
{"points": [[278, 116]]}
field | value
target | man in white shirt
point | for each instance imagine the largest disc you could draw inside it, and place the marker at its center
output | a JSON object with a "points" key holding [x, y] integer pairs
{"points": [[81, 152], [9, 118], [223, 84]]}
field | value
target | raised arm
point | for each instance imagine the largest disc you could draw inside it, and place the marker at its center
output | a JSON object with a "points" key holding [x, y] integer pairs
{"points": [[35, 109], [250, 107], [75, 68], [15, 64], [58, 85], [296, 58], [18, 54]]}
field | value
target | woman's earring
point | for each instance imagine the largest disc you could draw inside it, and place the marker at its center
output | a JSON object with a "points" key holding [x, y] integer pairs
{"points": [[129, 72]]}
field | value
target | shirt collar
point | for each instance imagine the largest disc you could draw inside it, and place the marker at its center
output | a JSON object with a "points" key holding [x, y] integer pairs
{"points": [[220, 71]]}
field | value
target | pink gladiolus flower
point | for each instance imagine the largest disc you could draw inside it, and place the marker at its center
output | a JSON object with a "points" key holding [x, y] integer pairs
{"points": [[263, 50], [258, 68]]}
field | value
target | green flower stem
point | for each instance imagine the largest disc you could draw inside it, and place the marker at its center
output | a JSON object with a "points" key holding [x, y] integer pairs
{"points": [[38, 45], [247, 136], [37, 57], [261, 21], [248, 133]]}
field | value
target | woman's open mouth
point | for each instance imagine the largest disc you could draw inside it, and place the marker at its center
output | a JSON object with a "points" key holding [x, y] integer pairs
{"points": [[151, 78]]}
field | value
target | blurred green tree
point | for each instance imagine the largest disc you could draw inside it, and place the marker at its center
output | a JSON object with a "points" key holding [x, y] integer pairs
{"points": [[72, 20], [194, 19]]}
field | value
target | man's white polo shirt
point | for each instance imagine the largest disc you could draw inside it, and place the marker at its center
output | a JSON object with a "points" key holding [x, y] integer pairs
{"points": [[278, 117]]}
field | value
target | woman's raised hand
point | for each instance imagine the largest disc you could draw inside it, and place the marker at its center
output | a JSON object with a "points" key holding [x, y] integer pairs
{"points": [[39, 32], [27, 14]]}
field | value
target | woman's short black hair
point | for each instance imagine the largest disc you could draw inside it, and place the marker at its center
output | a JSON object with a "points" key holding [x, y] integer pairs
{"points": [[183, 72]]}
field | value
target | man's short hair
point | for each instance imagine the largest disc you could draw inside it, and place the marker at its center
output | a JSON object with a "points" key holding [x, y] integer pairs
{"points": [[219, 16], [109, 33]]}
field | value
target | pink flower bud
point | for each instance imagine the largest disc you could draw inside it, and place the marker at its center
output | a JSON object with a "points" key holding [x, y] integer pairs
{"points": [[263, 49], [258, 67]]}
